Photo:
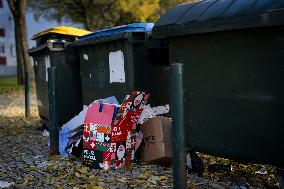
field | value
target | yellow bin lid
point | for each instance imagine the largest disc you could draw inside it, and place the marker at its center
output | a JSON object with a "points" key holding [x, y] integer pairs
{"points": [[64, 30]]}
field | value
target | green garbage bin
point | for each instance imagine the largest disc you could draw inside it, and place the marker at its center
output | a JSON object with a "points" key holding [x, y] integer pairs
{"points": [[233, 54], [68, 86], [118, 60]]}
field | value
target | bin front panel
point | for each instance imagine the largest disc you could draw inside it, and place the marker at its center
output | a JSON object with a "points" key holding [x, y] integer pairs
{"points": [[102, 76], [234, 99], [69, 95]]}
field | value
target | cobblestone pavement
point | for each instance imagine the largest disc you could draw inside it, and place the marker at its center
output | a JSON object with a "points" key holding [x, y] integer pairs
{"points": [[24, 160]]}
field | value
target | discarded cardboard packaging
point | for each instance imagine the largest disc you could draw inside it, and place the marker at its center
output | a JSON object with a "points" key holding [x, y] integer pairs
{"points": [[109, 137], [157, 137]]}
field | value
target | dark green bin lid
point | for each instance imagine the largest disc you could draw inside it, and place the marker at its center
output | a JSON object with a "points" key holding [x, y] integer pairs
{"points": [[219, 15]]}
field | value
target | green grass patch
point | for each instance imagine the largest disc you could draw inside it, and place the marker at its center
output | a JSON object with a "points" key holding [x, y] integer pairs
{"points": [[9, 85]]}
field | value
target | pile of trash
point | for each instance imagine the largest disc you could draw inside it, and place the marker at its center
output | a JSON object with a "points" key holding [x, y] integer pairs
{"points": [[108, 135]]}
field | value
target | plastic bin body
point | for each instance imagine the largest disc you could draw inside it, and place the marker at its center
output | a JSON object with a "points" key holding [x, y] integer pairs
{"points": [[68, 86], [234, 100], [142, 70]]}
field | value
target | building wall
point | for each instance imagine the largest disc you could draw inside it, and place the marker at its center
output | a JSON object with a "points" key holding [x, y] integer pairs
{"points": [[8, 61]]}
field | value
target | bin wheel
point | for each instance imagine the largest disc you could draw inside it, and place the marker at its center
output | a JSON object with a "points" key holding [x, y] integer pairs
{"points": [[195, 164], [280, 173]]}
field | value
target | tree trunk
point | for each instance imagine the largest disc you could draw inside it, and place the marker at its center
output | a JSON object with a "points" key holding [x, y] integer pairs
{"points": [[18, 8], [24, 43], [20, 58]]}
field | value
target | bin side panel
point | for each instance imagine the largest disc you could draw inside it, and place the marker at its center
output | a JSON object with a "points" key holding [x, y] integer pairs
{"points": [[40, 59], [234, 99], [151, 75]]}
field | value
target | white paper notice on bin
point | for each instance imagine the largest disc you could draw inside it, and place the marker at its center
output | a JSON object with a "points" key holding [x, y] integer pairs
{"points": [[116, 67]]}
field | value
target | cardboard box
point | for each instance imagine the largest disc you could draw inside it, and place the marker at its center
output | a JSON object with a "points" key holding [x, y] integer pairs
{"points": [[157, 141]]}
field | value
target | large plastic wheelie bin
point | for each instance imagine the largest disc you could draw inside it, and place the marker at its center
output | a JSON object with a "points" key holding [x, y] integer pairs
{"points": [[233, 54], [118, 60], [52, 51]]}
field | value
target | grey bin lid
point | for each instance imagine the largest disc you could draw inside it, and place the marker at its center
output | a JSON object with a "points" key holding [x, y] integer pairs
{"points": [[219, 15]]}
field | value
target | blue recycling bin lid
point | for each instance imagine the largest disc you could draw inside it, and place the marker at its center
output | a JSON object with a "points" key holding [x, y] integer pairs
{"points": [[135, 27]]}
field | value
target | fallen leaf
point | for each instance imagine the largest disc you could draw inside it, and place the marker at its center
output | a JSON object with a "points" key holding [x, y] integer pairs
{"points": [[163, 178], [26, 182], [32, 168], [145, 175], [122, 179], [83, 170], [77, 175], [153, 179]]}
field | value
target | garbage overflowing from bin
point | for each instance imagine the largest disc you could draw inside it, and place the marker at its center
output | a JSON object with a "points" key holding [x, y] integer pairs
{"points": [[106, 135]]}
